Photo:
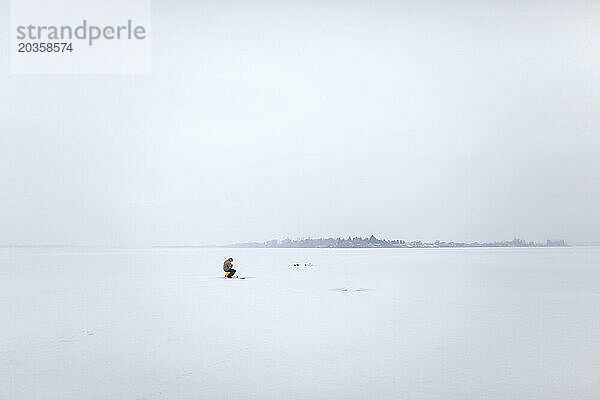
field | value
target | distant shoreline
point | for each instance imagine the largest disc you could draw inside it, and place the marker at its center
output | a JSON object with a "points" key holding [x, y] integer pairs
{"points": [[332, 243], [373, 242], [233, 246]]}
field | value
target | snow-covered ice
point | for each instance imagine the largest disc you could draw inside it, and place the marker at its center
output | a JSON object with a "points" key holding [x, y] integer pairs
{"points": [[359, 323]]}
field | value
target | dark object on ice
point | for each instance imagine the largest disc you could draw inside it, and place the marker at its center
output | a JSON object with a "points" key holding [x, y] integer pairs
{"points": [[343, 289]]}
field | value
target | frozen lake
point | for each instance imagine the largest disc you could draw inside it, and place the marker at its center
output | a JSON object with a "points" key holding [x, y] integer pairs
{"points": [[361, 323]]}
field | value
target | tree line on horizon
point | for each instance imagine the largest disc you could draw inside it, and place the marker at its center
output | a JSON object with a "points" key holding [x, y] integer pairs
{"points": [[374, 242]]}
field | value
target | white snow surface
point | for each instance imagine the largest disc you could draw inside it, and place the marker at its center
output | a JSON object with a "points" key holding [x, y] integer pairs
{"points": [[358, 324]]}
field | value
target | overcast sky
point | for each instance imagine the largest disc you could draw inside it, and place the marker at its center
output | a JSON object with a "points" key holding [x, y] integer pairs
{"points": [[451, 120]]}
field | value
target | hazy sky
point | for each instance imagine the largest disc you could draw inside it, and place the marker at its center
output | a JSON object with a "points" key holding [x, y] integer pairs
{"points": [[450, 120]]}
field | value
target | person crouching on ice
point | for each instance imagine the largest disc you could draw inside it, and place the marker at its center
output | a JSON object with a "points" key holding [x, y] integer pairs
{"points": [[228, 268]]}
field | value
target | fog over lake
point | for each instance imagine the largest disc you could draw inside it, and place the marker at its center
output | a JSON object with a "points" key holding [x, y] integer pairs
{"points": [[452, 120]]}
